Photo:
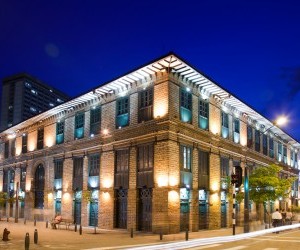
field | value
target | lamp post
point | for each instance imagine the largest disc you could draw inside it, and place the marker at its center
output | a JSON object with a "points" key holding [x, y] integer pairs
{"points": [[280, 121], [246, 201]]}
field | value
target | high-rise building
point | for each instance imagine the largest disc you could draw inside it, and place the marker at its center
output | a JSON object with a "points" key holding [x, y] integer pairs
{"points": [[24, 96]]}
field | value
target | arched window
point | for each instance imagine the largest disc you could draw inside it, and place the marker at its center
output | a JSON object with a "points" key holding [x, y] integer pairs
{"points": [[39, 184]]}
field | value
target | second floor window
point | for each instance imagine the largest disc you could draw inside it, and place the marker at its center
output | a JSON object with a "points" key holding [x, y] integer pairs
{"points": [[292, 158], [225, 125], [95, 120], [257, 140], [77, 173], [271, 147], [265, 144], [60, 128], [249, 136], [185, 158], [203, 170], [6, 149], [13, 147], [79, 126], [279, 155], [24, 143], [94, 165], [40, 138], [121, 169], [186, 106], [203, 114], [236, 130], [58, 169], [146, 105], [284, 155], [122, 117]]}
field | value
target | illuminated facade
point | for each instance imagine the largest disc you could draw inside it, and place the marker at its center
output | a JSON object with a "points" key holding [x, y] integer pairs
{"points": [[149, 151], [24, 96]]}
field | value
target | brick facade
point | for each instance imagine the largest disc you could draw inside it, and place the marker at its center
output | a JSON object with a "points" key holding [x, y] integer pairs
{"points": [[165, 131]]}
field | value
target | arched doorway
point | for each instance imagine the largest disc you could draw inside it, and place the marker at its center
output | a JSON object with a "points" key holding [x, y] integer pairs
{"points": [[39, 185]]}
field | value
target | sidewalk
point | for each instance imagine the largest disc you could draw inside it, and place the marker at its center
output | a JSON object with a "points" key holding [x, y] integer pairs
{"points": [[105, 239]]}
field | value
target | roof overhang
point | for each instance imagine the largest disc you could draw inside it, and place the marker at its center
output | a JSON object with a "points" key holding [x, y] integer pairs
{"points": [[175, 65]]}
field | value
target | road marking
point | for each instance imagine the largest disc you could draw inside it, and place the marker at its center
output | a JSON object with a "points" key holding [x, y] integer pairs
{"points": [[270, 248], [235, 248], [203, 247]]}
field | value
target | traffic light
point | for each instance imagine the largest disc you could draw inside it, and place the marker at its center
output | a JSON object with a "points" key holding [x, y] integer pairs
{"points": [[239, 174]]}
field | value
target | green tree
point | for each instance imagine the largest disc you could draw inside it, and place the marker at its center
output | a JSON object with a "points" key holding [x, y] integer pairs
{"points": [[265, 185]]}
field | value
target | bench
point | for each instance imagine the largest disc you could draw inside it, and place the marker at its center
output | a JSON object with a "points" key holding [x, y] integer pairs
{"points": [[66, 222]]}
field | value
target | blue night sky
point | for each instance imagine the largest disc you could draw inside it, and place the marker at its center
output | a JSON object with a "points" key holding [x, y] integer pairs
{"points": [[251, 48]]}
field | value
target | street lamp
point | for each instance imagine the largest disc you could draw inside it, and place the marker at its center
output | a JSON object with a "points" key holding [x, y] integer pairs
{"points": [[280, 121]]}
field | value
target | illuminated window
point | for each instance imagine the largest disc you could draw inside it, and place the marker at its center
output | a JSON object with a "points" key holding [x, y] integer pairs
{"points": [[122, 118], [225, 125], [60, 127], [186, 158], [236, 130], [79, 126], [185, 106], [279, 152], [146, 105], [95, 120], [24, 143], [203, 114], [284, 155]]}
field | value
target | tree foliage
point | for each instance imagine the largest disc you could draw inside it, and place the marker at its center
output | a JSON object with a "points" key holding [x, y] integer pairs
{"points": [[266, 185]]}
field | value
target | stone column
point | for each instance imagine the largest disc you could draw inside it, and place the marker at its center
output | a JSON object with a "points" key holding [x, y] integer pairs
{"points": [[194, 200], [160, 191], [67, 192], [132, 191], [85, 202], [174, 191], [214, 198], [106, 211]]}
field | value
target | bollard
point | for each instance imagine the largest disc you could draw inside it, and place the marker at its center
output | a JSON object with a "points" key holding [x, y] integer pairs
{"points": [[95, 230], [34, 222], [7, 219], [80, 230], [47, 224], [160, 235], [36, 236], [131, 233], [75, 227], [186, 234], [27, 241], [24, 221], [5, 234]]}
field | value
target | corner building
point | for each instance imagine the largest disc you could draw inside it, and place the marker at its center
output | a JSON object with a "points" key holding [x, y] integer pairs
{"points": [[150, 150]]}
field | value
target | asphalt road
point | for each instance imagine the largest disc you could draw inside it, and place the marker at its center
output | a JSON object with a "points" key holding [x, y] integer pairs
{"points": [[285, 240]]}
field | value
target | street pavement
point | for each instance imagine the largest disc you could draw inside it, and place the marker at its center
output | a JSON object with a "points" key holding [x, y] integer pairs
{"points": [[109, 239]]}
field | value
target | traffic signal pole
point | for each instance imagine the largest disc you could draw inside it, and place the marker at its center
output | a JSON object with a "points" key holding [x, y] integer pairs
{"points": [[233, 205]]}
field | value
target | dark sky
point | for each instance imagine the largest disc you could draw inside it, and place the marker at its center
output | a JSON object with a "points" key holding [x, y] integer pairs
{"points": [[251, 48]]}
